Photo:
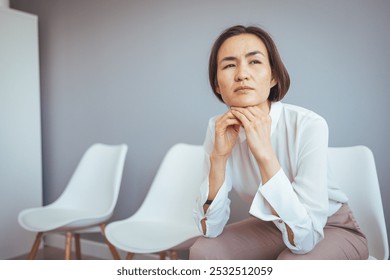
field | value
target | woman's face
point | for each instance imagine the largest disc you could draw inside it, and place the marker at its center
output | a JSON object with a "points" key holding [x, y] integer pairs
{"points": [[244, 74]]}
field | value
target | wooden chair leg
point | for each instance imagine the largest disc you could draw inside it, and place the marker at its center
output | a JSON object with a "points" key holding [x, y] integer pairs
{"points": [[129, 256], [78, 246], [163, 255], [173, 255], [35, 246], [68, 245], [113, 250]]}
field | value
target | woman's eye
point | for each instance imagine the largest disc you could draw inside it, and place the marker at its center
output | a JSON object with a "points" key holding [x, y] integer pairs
{"points": [[228, 66], [255, 62]]}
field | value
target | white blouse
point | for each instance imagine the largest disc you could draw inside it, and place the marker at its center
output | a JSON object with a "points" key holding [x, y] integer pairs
{"points": [[301, 192]]}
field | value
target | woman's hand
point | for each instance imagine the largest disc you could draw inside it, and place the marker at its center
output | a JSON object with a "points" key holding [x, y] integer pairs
{"points": [[227, 128], [257, 125]]}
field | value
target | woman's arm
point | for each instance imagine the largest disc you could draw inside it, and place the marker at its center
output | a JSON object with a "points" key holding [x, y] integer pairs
{"points": [[216, 179], [220, 140]]}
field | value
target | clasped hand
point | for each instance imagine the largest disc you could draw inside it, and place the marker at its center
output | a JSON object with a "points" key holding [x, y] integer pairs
{"points": [[257, 126]]}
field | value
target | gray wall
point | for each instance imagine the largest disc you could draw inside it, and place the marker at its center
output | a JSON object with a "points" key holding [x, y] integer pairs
{"points": [[135, 72]]}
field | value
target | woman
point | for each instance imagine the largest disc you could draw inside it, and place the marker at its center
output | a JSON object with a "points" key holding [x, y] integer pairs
{"points": [[275, 156]]}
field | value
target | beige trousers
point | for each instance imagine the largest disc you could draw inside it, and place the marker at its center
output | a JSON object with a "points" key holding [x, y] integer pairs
{"points": [[253, 239]]}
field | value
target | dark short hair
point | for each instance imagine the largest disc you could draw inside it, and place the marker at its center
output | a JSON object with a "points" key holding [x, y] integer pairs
{"points": [[278, 69]]}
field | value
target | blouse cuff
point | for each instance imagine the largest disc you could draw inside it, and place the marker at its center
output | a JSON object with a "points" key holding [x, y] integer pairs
{"points": [[278, 192], [218, 212], [220, 198]]}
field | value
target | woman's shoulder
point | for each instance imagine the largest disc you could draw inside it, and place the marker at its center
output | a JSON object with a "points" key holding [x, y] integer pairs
{"points": [[301, 113], [303, 119]]}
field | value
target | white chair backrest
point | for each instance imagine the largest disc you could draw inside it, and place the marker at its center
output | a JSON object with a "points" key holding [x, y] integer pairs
{"points": [[95, 184], [355, 173], [175, 187]]}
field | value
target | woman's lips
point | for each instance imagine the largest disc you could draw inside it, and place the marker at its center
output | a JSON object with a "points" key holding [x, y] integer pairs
{"points": [[243, 88]]}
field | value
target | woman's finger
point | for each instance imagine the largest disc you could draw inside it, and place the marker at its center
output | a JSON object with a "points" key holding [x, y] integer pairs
{"points": [[248, 114], [241, 117], [226, 120]]}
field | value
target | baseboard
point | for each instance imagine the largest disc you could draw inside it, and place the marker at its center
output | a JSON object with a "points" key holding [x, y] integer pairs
{"points": [[93, 248]]}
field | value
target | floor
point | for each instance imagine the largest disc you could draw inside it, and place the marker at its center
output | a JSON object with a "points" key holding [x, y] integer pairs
{"points": [[52, 253]]}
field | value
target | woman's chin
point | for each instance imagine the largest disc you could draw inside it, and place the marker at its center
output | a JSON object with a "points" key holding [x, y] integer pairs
{"points": [[243, 104]]}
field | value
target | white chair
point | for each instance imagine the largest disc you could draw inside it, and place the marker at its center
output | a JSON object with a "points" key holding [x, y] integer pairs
{"points": [[164, 222], [355, 172], [87, 202]]}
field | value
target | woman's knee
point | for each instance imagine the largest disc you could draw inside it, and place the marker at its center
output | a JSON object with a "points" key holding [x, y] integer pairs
{"points": [[207, 249], [286, 254], [198, 249]]}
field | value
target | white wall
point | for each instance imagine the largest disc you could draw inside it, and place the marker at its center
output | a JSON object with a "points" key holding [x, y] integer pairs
{"points": [[20, 128], [4, 3], [136, 72]]}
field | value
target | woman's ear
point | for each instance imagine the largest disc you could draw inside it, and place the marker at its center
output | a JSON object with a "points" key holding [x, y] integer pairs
{"points": [[217, 89], [274, 82]]}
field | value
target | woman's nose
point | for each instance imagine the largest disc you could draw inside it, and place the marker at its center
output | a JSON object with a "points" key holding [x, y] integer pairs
{"points": [[241, 74]]}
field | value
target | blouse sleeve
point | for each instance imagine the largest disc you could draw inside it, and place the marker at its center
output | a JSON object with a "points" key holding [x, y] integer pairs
{"points": [[218, 212], [301, 203]]}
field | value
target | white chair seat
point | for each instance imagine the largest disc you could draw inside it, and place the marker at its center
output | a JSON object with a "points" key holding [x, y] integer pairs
{"points": [[57, 219], [164, 221], [355, 172], [145, 239], [88, 200]]}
